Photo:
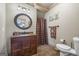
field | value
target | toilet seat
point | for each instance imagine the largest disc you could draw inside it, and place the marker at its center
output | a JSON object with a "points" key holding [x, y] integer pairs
{"points": [[66, 49], [63, 46]]}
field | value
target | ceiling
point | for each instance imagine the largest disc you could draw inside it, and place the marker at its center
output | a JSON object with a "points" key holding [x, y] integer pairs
{"points": [[43, 7], [46, 5]]}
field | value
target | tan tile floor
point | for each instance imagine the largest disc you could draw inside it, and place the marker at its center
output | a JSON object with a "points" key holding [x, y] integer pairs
{"points": [[46, 50]]}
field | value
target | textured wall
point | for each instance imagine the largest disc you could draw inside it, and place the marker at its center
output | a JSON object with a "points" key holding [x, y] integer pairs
{"points": [[3, 50], [68, 22]]}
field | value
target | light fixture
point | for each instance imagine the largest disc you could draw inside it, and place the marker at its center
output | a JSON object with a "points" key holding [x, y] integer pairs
{"points": [[28, 10], [23, 9], [19, 8]]}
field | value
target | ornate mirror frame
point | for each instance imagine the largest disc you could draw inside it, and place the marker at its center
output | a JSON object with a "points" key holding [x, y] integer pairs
{"points": [[18, 25]]}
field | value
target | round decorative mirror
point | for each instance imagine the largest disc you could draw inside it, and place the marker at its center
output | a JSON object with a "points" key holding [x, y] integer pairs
{"points": [[23, 21]]}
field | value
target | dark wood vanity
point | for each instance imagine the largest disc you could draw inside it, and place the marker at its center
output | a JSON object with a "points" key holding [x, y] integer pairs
{"points": [[23, 45]]}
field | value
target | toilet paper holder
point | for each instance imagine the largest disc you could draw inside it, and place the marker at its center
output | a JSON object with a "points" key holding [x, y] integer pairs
{"points": [[63, 41]]}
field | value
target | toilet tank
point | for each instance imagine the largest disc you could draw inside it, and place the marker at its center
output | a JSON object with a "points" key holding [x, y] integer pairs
{"points": [[76, 44]]}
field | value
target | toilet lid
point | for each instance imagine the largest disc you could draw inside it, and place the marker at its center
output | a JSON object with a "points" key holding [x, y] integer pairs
{"points": [[65, 47]]}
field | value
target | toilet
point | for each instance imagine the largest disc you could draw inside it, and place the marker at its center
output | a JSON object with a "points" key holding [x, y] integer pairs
{"points": [[66, 50]]}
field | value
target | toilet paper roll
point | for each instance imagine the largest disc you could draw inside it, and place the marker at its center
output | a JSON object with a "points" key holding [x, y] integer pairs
{"points": [[62, 40]]}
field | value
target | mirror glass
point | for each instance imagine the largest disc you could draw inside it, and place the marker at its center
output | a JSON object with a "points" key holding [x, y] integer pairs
{"points": [[23, 21]]}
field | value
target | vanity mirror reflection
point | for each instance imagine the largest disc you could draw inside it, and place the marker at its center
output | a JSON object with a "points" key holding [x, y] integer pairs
{"points": [[23, 21]]}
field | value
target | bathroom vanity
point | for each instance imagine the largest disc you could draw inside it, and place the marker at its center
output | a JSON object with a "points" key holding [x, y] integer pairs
{"points": [[23, 45]]}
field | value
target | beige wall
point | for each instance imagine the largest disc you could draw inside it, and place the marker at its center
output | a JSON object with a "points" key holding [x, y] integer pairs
{"points": [[68, 22], [11, 11], [40, 14], [3, 50]]}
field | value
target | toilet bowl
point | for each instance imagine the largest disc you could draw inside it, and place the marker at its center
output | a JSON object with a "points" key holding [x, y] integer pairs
{"points": [[63, 47], [65, 50]]}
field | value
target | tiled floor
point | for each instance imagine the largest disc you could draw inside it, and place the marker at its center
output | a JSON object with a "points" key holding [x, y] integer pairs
{"points": [[46, 50]]}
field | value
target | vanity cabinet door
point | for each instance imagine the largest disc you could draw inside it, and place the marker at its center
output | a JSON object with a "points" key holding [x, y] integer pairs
{"points": [[18, 53], [26, 45], [26, 52], [16, 46], [26, 42], [33, 46], [30, 45]]}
